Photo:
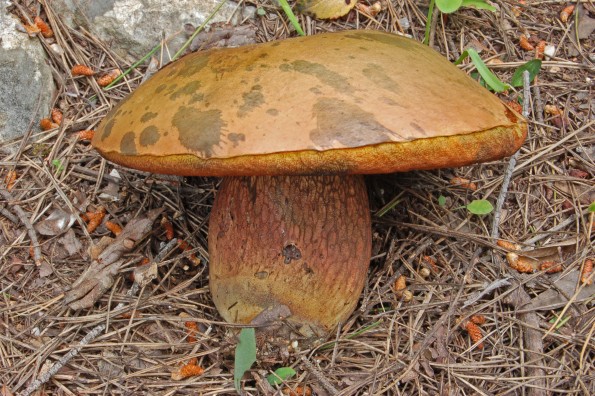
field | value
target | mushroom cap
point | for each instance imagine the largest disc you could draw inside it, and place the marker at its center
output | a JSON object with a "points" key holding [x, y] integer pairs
{"points": [[348, 102]]}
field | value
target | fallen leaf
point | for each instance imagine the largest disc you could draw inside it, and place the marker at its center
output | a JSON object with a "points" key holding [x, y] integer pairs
{"points": [[143, 274], [223, 37], [578, 189], [57, 223], [325, 9], [100, 274], [71, 243], [561, 294], [586, 24], [45, 269]]}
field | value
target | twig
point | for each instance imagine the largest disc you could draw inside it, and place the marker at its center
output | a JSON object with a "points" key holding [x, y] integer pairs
{"points": [[6, 213], [533, 344], [319, 376], [538, 104], [25, 221], [45, 377], [94, 333], [486, 290], [562, 225], [511, 163]]}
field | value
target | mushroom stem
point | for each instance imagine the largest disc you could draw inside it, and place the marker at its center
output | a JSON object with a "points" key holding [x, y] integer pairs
{"points": [[303, 242]]}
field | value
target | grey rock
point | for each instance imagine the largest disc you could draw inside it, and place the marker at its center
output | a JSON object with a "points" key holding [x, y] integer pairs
{"points": [[134, 27], [26, 82]]}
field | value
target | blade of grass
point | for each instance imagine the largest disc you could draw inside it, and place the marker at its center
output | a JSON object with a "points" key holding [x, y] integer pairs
{"points": [[198, 30], [429, 22], [291, 16], [490, 78]]}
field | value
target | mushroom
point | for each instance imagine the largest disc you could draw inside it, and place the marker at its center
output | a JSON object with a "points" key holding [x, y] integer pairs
{"points": [[292, 126]]}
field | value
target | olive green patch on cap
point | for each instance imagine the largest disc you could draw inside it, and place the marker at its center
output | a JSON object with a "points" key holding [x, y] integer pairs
{"points": [[379, 77], [149, 136], [148, 116], [190, 66], [160, 88], [191, 123], [252, 99], [128, 145], [235, 138], [348, 124], [322, 73], [188, 89], [197, 97], [107, 129]]}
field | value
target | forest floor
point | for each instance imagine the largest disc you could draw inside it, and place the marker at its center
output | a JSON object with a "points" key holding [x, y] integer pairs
{"points": [[534, 331]]}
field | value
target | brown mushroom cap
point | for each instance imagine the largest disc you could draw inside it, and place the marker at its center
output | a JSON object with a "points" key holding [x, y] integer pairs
{"points": [[348, 102]]}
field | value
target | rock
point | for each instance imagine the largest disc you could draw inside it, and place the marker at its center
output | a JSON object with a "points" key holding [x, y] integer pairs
{"points": [[135, 26], [26, 82]]}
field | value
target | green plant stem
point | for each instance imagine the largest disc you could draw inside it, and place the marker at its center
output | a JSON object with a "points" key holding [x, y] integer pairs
{"points": [[287, 9], [429, 22], [134, 65], [198, 30]]}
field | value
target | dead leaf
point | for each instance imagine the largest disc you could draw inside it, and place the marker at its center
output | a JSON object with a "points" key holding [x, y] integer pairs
{"points": [[554, 251], [109, 369], [325, 9], [270, 315], [93, 286], [71, 243], [224, 37], [100, 275], [586, 24], [45, 269], [582, 191], [560, 295], [58, 222], [411, 374], [132, 233], [144, 274]]}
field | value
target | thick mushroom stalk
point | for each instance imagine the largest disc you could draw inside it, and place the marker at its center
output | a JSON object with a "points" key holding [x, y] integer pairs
{"points": [[299, 241]]}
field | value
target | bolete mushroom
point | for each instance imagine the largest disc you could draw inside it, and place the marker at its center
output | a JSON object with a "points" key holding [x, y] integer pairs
{"points": [[292, 126]]}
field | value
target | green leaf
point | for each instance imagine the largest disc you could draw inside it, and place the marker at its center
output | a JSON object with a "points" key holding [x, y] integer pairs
{"points": [[490, 78], [592, 207], [533, 67], [448, 6], [245, 355], [261, 11], [58, 165], [480, 207], [280, 375], [479, 4], [442, 200]]}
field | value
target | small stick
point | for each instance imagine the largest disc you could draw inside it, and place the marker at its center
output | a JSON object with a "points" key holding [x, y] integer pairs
{"points": [[6, 213], [533, 344], [486, 290], [320, 377], [511, 163], [25, 221]]}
